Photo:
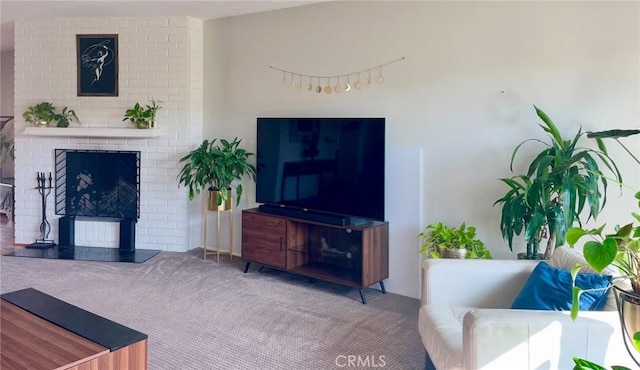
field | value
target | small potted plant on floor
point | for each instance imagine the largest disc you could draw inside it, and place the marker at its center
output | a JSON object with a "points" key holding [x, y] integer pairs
{"points": [[442, 241], [215, 165]]}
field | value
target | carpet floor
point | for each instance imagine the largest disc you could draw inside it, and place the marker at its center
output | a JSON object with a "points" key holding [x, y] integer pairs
{"points": [[202, 315]]}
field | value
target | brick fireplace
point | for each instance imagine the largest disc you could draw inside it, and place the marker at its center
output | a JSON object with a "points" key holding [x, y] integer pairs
{"points": [[159, 58]]}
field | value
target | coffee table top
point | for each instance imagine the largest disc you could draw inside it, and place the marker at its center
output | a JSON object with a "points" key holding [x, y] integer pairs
{"points": [[30, 342], [95, 328]]}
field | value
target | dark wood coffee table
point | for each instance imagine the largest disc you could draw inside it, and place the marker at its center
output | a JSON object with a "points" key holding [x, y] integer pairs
{"points": [[38, 331]]}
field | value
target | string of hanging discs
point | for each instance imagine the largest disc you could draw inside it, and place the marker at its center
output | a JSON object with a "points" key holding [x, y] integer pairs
{"points": [[334, 84]]}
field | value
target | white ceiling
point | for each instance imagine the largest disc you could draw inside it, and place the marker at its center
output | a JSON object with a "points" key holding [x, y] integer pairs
{"points": [[10, 10]]}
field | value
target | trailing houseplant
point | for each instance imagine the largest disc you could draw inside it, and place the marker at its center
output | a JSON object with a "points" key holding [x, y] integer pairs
{"points": [[40, 114], [560, 181], [620, 248], [43, 114], [440, 240], [143, 116], [65, 117], [215, 165]]}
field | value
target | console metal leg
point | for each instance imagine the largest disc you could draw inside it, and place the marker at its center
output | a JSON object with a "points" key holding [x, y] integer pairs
{"points": [[364, 300], [384, 291], [246, 267]]}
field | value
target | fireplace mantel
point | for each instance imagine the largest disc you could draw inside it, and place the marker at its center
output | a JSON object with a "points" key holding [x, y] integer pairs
{"points": [[131, 133]]}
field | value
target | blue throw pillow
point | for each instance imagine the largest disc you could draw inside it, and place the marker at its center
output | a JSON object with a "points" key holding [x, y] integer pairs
{"points": [[549, 288]]}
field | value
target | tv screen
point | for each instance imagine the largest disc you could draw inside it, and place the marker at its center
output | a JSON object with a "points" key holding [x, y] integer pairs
{"points": [[333, 165]]}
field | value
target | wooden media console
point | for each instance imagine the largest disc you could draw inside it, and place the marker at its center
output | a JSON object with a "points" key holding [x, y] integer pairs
{"points": [[351, 255]]}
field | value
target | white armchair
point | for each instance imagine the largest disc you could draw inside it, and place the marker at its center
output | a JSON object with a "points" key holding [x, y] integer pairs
{"points": [[465, 321]]}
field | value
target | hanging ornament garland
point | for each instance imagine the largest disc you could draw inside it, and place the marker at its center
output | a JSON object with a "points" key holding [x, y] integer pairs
{"points": [[293, 79]]}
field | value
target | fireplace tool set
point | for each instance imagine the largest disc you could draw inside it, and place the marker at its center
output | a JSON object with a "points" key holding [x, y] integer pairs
{"points": [[44, 188]]}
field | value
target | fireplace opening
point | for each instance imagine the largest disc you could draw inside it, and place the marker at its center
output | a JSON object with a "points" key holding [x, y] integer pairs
{"points": [[97, 183]]}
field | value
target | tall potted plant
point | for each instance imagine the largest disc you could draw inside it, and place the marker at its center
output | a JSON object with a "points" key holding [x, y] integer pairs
{"points": [[215, 165], [560, 181], [620, 249]]}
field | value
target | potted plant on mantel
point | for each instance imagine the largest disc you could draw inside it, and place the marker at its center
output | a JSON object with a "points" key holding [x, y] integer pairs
{"points": [[560, 181], [143, 117], [42, 114], [620, 249], [215, 165], [66, 117], [442, 241]]}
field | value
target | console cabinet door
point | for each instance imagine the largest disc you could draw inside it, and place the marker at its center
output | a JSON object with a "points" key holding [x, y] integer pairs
{"points": [[264, 239]]}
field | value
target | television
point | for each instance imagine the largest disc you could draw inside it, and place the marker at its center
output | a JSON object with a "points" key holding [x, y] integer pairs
{"points": [[321, 167]]}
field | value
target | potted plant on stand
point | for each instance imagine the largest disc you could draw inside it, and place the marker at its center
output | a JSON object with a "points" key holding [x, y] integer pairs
{"points": [[215, 165], [560, 181], [620, 249], [442, 241]]}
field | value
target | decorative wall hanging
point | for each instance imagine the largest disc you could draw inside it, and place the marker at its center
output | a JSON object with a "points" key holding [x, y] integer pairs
{"points": [[97, 64], [334, 84]]}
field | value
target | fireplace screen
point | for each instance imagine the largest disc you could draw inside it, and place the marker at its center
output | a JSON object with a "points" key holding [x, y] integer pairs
{"points": [[98, 183]]}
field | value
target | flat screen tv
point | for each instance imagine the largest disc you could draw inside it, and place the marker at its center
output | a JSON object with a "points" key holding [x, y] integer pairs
{"points": [[330, 165]]}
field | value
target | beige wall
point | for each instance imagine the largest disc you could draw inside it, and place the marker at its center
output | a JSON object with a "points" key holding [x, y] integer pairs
{"points": [[6, 81], [464, 94]]}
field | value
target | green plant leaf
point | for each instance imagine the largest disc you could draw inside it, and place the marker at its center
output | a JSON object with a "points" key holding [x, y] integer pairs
{"points": [[238, 194], [600, 255], [576, 292], [574, 234], [550, 126], [582, 364], [615, 134]]}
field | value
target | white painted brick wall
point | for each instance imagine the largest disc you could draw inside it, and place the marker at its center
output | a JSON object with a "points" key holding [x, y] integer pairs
{"points": [[159, 58]]}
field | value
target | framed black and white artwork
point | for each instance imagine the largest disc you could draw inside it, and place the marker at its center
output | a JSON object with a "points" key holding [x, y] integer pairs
{"points": [[97, 64]]}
